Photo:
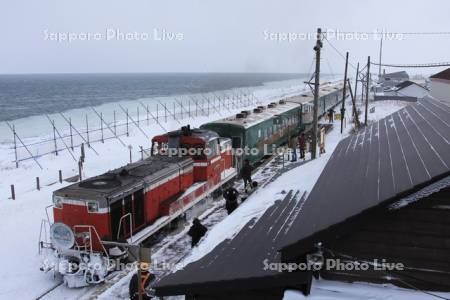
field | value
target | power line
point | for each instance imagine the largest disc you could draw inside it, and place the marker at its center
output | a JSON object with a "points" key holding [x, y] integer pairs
{"points": [[387, 33], [428, 65]]}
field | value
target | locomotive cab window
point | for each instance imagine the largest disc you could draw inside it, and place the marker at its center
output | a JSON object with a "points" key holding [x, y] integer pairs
{"points": [[92, 206]]}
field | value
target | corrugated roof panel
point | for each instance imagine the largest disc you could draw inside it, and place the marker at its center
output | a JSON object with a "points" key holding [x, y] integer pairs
{"points": [[240, 258], [391, 157]]}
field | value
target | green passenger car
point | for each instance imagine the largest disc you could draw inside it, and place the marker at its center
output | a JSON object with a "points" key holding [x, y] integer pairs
{"points": [[258, 132]]}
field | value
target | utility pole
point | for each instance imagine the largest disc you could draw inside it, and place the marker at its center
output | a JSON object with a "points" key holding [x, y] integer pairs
{"points": [[356, 79], [344, 94], [316, 93], [367, 89], [379, 64]]}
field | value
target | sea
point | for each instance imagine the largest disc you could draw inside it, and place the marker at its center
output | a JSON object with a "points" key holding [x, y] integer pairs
{"points": [[22, 96]]}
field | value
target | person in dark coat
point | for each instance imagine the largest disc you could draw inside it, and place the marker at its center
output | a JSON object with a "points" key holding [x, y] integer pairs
{"points": [[246, 173], [196, 232], [146, 278], [302, 145], [231, 197], [330, 115]]}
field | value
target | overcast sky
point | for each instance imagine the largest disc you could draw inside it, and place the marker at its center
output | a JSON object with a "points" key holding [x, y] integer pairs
{"points": [[211, 36]]}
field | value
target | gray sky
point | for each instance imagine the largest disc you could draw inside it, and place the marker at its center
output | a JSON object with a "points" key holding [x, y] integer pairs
{"points": [[217, 36]]}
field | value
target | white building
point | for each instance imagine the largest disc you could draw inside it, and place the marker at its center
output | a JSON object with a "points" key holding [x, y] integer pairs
{"points": [[410, 89], [440, 85], [388, 80]]}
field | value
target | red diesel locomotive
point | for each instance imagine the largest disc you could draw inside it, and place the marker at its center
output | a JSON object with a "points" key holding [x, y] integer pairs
{"points": [[135, 201]]}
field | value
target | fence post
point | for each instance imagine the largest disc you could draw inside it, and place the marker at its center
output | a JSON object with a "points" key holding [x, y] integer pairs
{"points": [[101, 126], [157, 112], [80, 166], [60, 176], [87, 132], [54, 137], [13, 193], [114, 125], [146, 109], [138, 119], [142, 152], [71, 135], [38, 186], [15, 146], [174, 111], [165, 113], [82, 154], [128, 134], [131, 157]]}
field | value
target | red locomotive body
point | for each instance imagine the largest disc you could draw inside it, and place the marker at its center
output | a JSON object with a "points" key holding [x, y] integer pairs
{"points": [[186, 165]]}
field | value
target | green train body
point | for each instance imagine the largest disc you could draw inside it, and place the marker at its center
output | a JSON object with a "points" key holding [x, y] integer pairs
{"points": [[257, 133]]}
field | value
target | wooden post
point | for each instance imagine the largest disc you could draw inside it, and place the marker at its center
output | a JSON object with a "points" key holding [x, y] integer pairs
{"points": [[101, 125], [115, 126], [15, 146], [128, 133], [131, 157], [13, 193], [367, 89], [316, 94], [80, 167], [138, 118], [344, 94], [38, 186], [82, 157], [71, 135], [60, 176], [54, 137], [142, 152], [87, 132]]}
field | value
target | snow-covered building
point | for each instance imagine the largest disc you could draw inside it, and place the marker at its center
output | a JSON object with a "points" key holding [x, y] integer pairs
{"points": [[392, 79], [440, 85], [410, 89], [383, 194], [405, 91]]}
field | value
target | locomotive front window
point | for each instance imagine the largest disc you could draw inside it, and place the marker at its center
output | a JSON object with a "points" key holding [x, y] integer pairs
{"points": [[92, 206], [57, 202]]}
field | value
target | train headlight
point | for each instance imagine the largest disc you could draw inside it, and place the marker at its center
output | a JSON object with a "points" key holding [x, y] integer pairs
{"points": [[92, 206], [62, 236], [57, 202]]}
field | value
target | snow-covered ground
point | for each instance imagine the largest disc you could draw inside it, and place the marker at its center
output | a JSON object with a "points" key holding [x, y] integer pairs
{"points": [[327, 290], [20, 219]]}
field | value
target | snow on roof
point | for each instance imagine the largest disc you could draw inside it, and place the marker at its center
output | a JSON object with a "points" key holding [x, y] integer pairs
{"points": [[290, 103], [442, 75], [390, 157], [399, 74], [235, 262], [327, 290], [407, 83]]}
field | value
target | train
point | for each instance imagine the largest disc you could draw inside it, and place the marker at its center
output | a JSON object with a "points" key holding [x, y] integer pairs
{"points": [[128, 205]]}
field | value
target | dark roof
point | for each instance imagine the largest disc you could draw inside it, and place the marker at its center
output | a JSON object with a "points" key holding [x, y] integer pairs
{"points": [[407, 83], [237, 263], [111, 185], [391, 157], [442, 75], [397, 75]]}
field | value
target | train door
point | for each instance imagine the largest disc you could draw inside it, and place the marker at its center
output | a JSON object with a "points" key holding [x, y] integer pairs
{"points": [[236, 143], [127, 209], [138, 209], [116, 214]]}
